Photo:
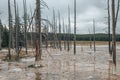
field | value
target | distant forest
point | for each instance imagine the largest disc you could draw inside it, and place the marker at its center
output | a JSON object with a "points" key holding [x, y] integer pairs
{"points": [[50, 37]]}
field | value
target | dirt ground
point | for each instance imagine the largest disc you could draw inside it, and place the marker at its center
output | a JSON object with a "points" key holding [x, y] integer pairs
{"points": [[62, 65]]}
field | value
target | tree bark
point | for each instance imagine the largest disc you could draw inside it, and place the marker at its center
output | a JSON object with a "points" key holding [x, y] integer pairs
{"points": [[94, 35], [113, 33], [38, 31], [25, 24], [109, 42], [16, 31], [59, 32], [90, 38], [10, 29], [68, 28], [74, 27], [0, 34]]}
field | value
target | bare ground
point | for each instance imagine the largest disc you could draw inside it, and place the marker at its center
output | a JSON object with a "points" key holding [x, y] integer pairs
{"points": [[62, 65]]}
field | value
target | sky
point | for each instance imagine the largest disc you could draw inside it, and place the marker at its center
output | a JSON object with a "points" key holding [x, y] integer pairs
{"points": [[87, 10]]}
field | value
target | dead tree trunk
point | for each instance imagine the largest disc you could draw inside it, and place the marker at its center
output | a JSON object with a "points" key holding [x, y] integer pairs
{"points": [[16, 31], [25, 24], [46, 33], [74, 27], [113, 33], [114, 22], [56, 36], [109, 42], [54, 29], [0, 34], [38, 31], [90, 38], [64, 35], [94, 35], [59, 32], [69, 28], [10, 29]]}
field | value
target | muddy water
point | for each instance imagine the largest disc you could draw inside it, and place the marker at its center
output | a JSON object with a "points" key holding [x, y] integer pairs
{"points": [[85, 65]]}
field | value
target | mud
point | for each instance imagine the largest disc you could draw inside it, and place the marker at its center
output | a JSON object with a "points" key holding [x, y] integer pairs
{"points": [[62, 65]]}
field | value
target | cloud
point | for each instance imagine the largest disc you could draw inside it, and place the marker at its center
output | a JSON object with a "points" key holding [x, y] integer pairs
{"points": [[86, 11]]}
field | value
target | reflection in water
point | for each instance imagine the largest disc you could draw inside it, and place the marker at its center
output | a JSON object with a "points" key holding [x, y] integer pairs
{"points": [[38, 76]]}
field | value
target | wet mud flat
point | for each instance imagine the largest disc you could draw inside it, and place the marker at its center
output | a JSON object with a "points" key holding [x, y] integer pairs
{"points": [[62, 65]]}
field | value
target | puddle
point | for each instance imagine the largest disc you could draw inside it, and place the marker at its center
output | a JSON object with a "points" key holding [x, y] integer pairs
{"points": [[61, 67]]}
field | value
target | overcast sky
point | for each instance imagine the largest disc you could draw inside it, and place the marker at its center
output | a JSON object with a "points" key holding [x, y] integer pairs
{"points": [[87, 10]]}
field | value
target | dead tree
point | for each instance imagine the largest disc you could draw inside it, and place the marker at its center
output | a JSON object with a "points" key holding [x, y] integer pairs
{"points": [[38, 31], [74, 27], [64, 35], [68, 43], [46, 34], [109, 35], [31, 26], [94, 35], [56, 35], [59, 31], [10, 29], [90, 38], [25, 24], [16, 30], [0, 34], [52, 34], [54, 29], [114, 22], [31, 29]]}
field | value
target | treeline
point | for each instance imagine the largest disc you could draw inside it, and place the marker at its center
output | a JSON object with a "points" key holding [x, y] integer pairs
{"points": [[79, 37], [86, 37], [50, 37]]}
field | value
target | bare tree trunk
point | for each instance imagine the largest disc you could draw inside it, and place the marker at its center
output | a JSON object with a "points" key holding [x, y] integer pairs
{"points": [[59, 32], [74, 27], [114, 22], [16, 31], [0, 34], [38, 31], [52, 33], [64, 35], [90, 38], [31, 28], [56, 36], [69, 28], [47, 34], [12, 36], [10, 29], [117, 12], [94, 35], [55, 29], [25, 24], [109, 28], [54, 41]]}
